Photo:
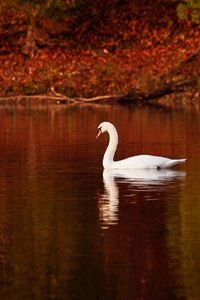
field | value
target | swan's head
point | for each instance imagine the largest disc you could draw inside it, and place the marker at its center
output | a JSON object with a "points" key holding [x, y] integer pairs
{"points": [[103, 127]]}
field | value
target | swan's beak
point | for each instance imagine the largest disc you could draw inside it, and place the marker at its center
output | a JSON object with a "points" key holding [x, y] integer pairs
{"points": [[99, 133]]}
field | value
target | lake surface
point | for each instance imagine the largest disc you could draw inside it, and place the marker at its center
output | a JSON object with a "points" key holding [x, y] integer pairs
{"points": [[68, 230]]}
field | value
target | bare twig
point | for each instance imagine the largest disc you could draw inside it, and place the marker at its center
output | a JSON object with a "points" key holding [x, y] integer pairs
{"points": [[135, 95], [57, 99], [191, 57]]}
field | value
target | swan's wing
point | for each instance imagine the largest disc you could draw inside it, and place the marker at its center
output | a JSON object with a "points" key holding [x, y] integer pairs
{"points": [[146, 162]]}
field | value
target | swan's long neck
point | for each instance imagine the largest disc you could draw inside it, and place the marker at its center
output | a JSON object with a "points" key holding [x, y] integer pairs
{"points": [[111, 149]]}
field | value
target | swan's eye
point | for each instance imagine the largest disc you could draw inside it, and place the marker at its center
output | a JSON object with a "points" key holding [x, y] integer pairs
{"points": [[99, 129]]}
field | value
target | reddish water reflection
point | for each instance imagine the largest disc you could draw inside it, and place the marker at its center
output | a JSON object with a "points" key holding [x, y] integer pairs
{"points": [[69, 232]]}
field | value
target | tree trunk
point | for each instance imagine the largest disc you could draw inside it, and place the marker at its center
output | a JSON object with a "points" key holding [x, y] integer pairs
{"points": [[30, 43]]}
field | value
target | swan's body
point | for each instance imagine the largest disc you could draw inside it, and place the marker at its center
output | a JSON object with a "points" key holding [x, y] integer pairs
{"points": [[134, 162]]}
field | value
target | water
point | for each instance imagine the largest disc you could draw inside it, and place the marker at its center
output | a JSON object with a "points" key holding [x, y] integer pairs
{"points": [[68, 230]]}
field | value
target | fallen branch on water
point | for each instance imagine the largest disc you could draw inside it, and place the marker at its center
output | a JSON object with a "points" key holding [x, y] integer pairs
{"points": [[57, 99], [160, 91], [132, 96]]}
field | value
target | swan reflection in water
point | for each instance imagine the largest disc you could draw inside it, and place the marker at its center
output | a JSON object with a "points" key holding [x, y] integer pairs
{"points": [[137, 180]]}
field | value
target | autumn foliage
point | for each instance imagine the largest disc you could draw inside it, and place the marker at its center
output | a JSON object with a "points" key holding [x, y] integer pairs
{"points": [[95, 48]]}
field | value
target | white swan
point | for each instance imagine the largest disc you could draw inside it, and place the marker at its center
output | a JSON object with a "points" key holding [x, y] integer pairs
{"points": [[134, 162]]}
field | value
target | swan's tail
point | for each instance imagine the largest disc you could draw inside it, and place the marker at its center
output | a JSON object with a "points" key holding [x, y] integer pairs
{"points": [[173, 162]]}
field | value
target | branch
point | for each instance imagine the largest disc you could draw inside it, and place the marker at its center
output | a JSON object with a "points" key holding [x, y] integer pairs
{"points": [[160, 91], [57, 99], [192, 56], [133, 96]]}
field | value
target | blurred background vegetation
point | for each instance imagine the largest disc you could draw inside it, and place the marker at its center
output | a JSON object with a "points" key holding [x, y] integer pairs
{"points": [[186, 9], [189, 10], [63, 18], [87, 47]]}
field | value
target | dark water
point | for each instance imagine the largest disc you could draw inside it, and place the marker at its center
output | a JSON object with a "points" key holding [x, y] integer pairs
{"points": [[70, 231]]}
